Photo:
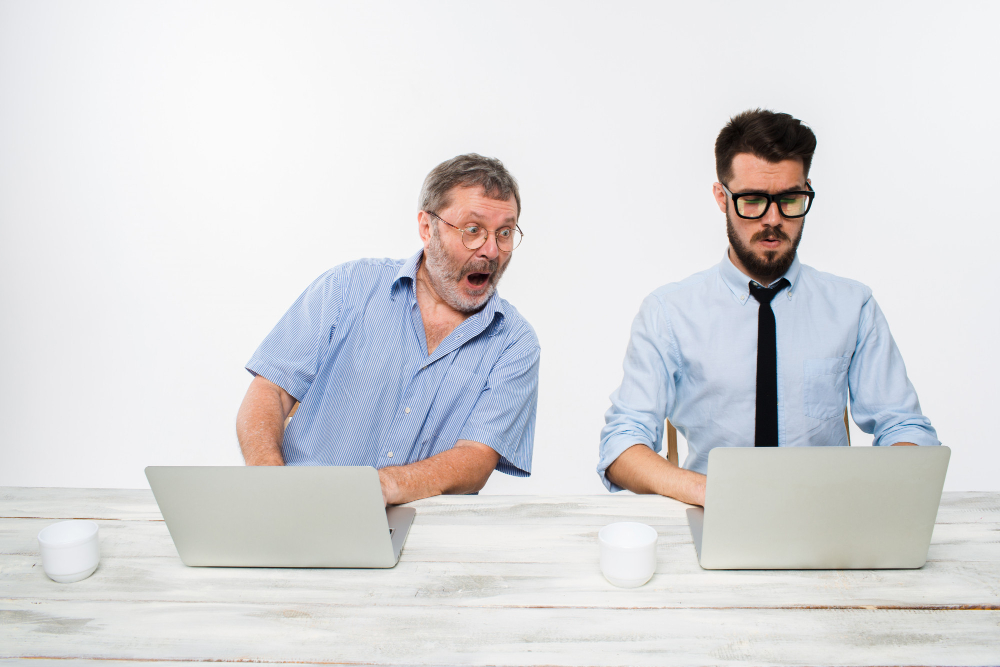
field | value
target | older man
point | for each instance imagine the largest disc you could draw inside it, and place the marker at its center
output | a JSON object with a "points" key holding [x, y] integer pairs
{"points": [[415, 367], [758, 350]]}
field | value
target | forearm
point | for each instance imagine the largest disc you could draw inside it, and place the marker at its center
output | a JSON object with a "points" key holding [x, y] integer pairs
{"points": [[641, 470], [465, 468], [260, 423]]}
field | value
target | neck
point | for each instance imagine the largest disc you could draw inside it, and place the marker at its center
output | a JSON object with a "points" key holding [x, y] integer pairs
{"points": [[439, 318]]}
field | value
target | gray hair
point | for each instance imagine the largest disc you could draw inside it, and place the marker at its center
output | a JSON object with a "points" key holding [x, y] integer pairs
{"points": [[468, 171]]}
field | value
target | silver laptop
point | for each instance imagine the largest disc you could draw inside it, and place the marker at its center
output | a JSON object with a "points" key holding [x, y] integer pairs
{"points": [[818, 507], [315, 516]]}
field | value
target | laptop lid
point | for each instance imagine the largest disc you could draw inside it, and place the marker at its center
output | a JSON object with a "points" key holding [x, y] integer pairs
{"points": [[819, 507], [273, 516]]}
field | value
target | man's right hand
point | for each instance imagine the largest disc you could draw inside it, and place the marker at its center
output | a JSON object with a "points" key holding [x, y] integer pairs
{"points": [[260, 423], [641, 470]]}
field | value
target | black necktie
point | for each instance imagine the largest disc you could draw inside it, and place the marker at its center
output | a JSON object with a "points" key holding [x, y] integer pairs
{"points": [[766, 425]]}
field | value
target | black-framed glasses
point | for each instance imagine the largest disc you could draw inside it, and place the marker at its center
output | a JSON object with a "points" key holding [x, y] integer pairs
{"points": [[754, 205], [474, 236]]}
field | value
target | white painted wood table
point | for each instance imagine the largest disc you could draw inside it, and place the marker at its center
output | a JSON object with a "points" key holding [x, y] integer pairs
{"points": [[491, 580]]}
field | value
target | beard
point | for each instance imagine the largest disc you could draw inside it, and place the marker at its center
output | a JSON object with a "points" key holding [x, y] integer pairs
{"points": [[446, 276], [773, 264]]}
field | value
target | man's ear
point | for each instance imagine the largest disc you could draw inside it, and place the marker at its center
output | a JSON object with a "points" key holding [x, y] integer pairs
{"points": [[424, 222], [720, 196]]}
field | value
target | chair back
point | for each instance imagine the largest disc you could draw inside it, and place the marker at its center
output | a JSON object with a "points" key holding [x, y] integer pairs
{"points": [[290, 415]]}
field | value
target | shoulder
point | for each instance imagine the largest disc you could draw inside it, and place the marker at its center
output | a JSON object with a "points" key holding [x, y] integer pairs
{"points": [[361, 276], [353, 283], [516, 328], [371, 269], [682, 292], [834, 286]]}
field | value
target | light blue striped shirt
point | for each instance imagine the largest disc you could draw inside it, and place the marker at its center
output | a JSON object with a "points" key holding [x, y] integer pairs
{"points": [[692, 358], [352, 350]]}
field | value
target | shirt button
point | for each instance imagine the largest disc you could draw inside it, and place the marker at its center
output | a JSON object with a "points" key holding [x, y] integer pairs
{"points": [[407, 411], [389, 455]]}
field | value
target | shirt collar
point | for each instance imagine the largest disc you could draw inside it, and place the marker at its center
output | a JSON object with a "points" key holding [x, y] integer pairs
{"points": [[739, 283], [408, 271]]}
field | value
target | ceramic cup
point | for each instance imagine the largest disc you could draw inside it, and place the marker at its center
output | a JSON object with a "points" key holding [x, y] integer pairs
{"points": [[628, 553], [70, 550]]}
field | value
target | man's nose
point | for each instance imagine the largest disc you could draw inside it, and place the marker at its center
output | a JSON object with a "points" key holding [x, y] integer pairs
{"points": [[490, 249], [773, 217]]}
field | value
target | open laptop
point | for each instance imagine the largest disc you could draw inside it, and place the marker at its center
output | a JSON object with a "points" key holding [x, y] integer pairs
{"points": [[818, 507], [272, 516]]}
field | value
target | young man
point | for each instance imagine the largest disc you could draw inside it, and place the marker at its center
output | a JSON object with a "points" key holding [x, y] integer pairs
{"points": [[759, 350], [415, 367]]}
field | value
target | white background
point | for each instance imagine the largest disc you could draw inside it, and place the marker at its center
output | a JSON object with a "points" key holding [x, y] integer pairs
{"points": [[173, 174]]}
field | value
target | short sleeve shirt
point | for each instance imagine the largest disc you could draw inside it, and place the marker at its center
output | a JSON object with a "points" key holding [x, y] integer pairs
{"points": [[352, 351]]}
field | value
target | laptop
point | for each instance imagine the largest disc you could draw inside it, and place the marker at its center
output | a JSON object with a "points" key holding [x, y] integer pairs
{"points": [[805, 508], [273, 516]]}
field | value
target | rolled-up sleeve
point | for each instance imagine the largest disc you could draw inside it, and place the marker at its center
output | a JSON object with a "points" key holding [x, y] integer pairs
{"points": [[290, 355], [504, 416], [644, 399], [883, 400]]}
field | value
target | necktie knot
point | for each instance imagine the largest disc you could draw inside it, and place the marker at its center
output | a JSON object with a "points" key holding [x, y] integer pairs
{"points": [[766, 294]]}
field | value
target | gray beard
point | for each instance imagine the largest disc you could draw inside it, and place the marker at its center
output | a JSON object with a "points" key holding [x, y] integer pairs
{"points": [[446, 274], [772, 266]]}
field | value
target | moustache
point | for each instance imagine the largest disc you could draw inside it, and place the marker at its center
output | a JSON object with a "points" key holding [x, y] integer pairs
{"points": [[489, 266], [770, 234]]}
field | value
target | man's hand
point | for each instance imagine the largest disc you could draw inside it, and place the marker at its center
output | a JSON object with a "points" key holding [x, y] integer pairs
{"points": [[260, 423], [641, 470], [389, 487], [464, 468]]}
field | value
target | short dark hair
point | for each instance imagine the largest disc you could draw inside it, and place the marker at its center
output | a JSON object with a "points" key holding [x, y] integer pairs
{"points": [[468, 171], [765, 134]]}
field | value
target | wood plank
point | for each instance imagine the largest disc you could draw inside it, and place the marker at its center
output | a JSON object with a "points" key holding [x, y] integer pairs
{"points": [[598, 510], [66, 503], [676, 585], [551, 542], [462, 636], [79, 662]]}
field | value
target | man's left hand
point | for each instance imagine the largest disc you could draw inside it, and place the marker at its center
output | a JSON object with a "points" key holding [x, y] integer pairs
{"points": [[464, 468]]}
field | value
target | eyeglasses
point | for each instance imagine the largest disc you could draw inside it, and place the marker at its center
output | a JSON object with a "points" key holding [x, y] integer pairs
{"points": [[754, 205], [474, 236]]}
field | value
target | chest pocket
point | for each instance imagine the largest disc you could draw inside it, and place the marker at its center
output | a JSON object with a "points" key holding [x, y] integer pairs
{"points": [[825, 387]]}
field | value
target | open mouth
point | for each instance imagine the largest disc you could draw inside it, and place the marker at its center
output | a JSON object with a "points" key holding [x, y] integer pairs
{"points": [[478, 279]]}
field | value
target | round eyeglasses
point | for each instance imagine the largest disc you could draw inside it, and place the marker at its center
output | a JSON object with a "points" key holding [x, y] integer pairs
{"points": [[754, 205], [474, 236]]}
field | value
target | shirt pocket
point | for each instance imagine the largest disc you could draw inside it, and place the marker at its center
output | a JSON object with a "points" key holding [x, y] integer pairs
{"points": [[825, 387]]}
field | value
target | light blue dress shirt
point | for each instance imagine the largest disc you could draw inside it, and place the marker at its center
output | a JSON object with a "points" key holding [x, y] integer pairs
{"points": [[692, 358], [352, 350]]}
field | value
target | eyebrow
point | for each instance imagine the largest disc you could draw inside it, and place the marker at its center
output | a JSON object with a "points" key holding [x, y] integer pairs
{"points": [[773, 194], [510, 220]]}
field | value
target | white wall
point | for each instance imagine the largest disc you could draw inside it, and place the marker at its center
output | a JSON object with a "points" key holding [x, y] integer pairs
{"points": [[172, 175]]}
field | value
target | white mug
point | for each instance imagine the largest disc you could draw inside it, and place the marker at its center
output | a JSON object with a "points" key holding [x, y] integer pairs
{"points": [[70, 550], [628, 553]]}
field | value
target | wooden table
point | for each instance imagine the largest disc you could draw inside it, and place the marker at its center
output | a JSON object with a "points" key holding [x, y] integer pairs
{"points": [[492, 580]]}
